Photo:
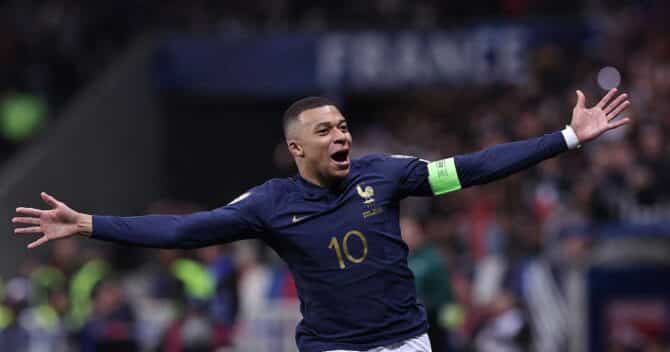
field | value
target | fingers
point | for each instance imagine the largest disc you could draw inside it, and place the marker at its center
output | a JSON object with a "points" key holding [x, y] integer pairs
{"points": [[618, 110], [603, 102], [26, 221], [49, 199], [618, 123], [29, 211], [615, 103], [42, 240], [622, 97], [581, 99], [28, 230]]}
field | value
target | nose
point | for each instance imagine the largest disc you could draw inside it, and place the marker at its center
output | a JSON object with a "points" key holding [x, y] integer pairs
{"points": [[340, 137]]}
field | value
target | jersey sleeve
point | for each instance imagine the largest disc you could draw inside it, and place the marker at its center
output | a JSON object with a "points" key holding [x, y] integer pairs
{"points": [[410, 174], [492, 163], [242, 218]]}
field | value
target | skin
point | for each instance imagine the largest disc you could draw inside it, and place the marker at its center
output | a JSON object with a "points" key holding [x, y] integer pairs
{"points": [[311, 139]]}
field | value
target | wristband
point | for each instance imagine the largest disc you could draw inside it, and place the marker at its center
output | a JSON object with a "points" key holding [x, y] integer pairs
{"points": [[570, 138]]}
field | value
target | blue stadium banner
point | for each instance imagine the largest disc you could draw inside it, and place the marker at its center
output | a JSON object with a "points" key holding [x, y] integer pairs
{"points": [[286, 64]]}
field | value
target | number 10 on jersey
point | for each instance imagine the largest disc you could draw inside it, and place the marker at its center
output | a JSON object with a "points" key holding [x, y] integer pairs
{"points": [[335, 245]]}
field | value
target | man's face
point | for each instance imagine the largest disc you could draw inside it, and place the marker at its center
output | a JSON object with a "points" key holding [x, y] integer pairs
{"points": [[320, 137]]}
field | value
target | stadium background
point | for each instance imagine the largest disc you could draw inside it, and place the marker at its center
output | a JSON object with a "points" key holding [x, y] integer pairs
{"points": [[124, 107]]}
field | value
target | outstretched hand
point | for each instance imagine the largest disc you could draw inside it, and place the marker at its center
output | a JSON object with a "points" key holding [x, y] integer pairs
{"points": [[589, 123], [58, 222]]}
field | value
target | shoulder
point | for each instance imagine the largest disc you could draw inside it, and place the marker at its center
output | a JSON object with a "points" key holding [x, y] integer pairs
{"points": [[273, 186], [262, 199], [369, 160], [382, 160], [261, 192], [275, 189]]}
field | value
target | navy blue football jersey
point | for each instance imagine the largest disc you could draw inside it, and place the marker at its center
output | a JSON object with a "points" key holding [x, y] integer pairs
{"points": [[344, 249], [343, 244]]}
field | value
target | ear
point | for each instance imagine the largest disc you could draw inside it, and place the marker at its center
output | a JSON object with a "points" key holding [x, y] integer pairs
{"points": [[295, 148]]}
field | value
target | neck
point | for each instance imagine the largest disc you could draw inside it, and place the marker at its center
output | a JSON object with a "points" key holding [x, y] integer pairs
{"points": [[315, 179]]}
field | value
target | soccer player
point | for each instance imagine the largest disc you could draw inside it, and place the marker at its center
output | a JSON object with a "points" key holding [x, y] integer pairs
{"points": [[336, 222]]}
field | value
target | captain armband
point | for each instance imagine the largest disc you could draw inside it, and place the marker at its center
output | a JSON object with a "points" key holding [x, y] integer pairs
{"points": [[442, 176]]}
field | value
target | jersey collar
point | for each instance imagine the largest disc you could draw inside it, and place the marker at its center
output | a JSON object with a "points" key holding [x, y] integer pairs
{"points": [[311, 191]]}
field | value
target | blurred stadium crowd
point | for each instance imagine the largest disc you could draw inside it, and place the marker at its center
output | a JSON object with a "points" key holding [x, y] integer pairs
{"points": [[473, 252]]}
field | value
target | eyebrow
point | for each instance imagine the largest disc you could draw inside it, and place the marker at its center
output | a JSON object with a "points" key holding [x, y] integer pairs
{"points": [[326, 124]]}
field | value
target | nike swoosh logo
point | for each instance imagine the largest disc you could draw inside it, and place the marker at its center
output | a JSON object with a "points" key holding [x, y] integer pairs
{"points": [[297, 219]]}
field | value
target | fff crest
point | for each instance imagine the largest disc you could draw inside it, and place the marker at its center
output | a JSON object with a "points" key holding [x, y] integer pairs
{"points": [[366, 193]]}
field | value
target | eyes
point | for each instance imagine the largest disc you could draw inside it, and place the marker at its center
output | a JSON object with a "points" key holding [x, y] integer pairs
{"points": [[323, 130]]}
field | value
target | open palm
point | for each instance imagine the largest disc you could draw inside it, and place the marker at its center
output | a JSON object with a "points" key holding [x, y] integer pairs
{"points": [[58, 222], [589, 123]]}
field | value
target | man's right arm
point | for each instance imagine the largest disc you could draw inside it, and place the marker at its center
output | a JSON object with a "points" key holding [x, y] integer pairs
{"points": [[199, 229], [241, 219]]}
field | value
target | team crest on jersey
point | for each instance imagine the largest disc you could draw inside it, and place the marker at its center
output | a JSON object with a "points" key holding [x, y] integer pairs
{"points": [[366, 193]]}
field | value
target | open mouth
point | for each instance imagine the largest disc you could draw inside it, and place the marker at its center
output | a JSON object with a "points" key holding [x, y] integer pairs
{"points": [[341, 158]]}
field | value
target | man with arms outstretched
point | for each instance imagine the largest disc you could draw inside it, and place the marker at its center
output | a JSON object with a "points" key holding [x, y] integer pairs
{"points": [[336, 222]]}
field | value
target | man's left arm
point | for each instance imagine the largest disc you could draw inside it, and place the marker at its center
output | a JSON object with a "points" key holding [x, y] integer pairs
{"points": [[451, 174], [505, 159], [496, 162]]}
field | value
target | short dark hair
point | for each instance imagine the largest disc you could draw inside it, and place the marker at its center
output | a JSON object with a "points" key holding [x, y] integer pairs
{"points": [[293, 111]]}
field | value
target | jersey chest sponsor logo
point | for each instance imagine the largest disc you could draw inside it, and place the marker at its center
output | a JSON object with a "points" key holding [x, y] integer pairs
{"points": [[366, 193], [299, 218]]}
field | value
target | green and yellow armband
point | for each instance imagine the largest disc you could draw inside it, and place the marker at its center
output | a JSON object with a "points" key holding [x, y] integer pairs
{"points": [[443, 177]]}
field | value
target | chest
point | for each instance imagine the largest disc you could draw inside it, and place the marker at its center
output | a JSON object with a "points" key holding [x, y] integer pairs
{"points": [[353, 229]]}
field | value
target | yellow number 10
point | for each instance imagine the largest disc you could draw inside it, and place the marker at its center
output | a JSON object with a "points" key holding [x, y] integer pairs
{"points": [[336, 246]]}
